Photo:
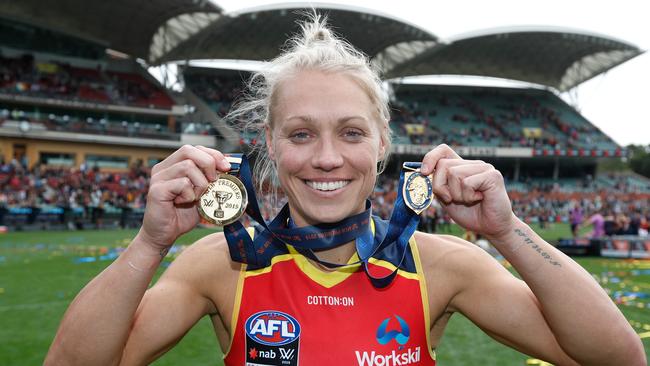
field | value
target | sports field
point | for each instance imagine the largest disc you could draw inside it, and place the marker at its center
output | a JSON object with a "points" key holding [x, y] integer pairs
{"points": [[40, 273]]}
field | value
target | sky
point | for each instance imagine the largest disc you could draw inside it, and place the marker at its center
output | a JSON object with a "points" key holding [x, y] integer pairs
{"points": [[617, 102]]}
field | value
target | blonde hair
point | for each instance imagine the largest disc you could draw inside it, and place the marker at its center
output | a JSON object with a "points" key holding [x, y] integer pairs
{"points": [[315, 48]]}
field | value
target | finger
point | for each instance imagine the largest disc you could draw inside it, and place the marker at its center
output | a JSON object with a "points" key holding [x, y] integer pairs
{"points": [[431, 158], [222, 163], [483, 182], [185, 168], [460, 191], [202, 159], [440, 177], [179, 190]]}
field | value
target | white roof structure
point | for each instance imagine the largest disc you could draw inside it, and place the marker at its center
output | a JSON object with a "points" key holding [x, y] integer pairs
{"points": [[163, 31]]}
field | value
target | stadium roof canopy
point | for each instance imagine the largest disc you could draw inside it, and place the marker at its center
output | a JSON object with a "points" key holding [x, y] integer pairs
{"points": [[259, 33], [561, 58], [136, 27], [173, 30]]}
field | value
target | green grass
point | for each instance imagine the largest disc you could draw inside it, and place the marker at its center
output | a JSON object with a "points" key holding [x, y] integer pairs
{"points": [[38, 279]]}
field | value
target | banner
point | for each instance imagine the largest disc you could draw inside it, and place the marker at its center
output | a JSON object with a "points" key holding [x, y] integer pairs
{"points": [[47, 68], [413, 129], [532, 132]]}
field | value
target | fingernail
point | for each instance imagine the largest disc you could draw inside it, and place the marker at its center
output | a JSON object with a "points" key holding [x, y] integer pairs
{"points": [[424, 169]]}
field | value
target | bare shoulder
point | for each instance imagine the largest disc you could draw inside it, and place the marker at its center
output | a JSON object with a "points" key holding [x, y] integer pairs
{"points": [[447, 250], [206, 255], [206, 266], [452, 263]]}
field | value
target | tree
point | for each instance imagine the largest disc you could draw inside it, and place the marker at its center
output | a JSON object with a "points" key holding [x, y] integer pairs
{"points": [[640, 159]]}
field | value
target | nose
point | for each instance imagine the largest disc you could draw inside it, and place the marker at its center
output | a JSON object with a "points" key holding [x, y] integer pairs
{"points": [[327, 156]]}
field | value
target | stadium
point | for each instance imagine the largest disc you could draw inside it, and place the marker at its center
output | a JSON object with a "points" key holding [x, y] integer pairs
{"points": [[83, 121]]}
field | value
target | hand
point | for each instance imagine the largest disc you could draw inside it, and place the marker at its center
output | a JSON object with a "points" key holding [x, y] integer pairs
{"points": [[176, 184], [471, 191]]}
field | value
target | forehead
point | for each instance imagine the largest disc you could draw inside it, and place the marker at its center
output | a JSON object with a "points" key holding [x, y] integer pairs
{"points": [[321, 95]]}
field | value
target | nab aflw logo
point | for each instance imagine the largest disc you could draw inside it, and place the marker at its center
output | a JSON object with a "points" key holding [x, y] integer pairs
{"points": [[272, 339], [287, 354]]}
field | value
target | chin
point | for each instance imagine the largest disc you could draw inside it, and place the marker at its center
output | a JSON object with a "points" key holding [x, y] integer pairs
{"points": [[327, 214]]}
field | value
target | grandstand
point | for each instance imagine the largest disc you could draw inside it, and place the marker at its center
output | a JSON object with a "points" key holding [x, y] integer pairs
{"points": [[493, 117], [56, 89]]}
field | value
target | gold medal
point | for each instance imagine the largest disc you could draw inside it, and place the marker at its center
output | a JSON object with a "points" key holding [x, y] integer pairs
{"points": [[225, 200], [417, 191]]}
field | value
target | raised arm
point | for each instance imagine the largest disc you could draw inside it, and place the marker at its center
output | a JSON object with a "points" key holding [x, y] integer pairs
{"points": [[560, 313], [98, 322]]}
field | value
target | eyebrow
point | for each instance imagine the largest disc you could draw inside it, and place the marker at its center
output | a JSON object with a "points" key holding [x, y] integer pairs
{"points": [[312, 120]]}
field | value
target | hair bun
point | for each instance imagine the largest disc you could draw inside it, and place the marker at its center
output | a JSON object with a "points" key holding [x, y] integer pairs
{"points": [[315, 30], [316, 35]]}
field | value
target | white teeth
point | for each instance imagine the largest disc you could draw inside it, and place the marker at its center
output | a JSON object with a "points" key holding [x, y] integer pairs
{"points": [[327, 186]]}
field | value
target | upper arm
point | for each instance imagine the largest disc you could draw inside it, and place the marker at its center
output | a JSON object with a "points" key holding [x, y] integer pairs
{"points": [[499, 303], [178, 300]]}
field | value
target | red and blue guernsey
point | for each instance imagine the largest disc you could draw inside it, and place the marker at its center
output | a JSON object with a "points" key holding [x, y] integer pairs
{"points": [[290, 313]]}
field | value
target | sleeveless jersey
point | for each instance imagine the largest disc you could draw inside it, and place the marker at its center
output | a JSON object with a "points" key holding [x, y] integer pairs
{"points": [[293, 313]]}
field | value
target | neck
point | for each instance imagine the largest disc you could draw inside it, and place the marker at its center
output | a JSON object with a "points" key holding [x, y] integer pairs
{"points": [[338, 255]]}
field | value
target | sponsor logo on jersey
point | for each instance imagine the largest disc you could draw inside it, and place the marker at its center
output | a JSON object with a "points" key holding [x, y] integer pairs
{"points": [[272, 339], [395, 357], [400, 337], [272, 328], [330, 300]]}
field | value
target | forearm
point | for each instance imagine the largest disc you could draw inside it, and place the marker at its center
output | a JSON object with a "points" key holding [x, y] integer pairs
{"points": [[586, 323], [96, 326]]}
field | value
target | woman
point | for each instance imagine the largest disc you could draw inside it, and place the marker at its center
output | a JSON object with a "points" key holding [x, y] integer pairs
{"points": [[325, 120]]}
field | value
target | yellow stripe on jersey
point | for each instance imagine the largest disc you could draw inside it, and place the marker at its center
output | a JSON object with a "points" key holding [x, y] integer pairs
{"points": [[332, 278], [425, 297], [391, 267], [237, 302]]}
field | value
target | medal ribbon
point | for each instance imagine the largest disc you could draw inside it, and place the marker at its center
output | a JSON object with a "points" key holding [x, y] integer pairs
{"points": [[305, 240]]}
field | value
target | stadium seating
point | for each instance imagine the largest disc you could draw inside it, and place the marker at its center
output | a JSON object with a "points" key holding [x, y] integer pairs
{"points": [[26, 76], [473, 116], [218, 91], [133, 89]]}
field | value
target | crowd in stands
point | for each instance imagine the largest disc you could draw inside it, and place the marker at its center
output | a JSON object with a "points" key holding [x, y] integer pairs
{"points": [[483, 117], [70, 197], [82, 123], [25, 76], [29, 77], [219, 92], [89, 195]]}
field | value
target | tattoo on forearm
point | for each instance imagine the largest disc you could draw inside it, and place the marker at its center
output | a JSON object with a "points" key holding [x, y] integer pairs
{"points": [[528, 241]]}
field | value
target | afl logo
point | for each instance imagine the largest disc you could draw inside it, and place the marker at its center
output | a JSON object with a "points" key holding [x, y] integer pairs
{"points": [[272, 328]]}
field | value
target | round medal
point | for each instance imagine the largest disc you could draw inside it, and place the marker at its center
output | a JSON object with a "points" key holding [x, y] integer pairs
{"points": [[417, 191], [224, 201]]}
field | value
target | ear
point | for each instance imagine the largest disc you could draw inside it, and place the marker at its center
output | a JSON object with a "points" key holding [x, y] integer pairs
{"points": [[269, 142], [382, 145]]}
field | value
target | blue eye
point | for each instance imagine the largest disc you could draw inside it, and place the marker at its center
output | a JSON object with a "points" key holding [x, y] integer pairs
{"points": [[299, 136], [353, 134]]}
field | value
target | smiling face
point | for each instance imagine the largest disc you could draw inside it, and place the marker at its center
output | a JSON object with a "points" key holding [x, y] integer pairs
{"points": [[325, 139]]}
